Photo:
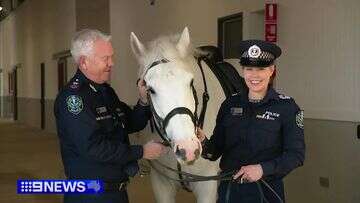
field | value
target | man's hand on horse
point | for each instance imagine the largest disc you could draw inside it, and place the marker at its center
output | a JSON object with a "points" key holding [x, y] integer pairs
{"points": [[249, 173], [153, 150], [142, 91]]}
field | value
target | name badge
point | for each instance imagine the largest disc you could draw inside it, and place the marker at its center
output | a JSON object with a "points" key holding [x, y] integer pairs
{"points": [[236, 111]]}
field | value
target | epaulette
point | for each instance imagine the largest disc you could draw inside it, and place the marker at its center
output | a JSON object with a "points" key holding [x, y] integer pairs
{"points": [[74, 84], [281, 96]]}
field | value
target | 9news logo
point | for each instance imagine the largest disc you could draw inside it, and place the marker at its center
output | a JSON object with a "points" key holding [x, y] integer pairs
{"points": [[59, 186]]}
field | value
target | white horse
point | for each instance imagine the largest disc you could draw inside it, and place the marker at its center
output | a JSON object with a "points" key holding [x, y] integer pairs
{"points": [[169, 81]]}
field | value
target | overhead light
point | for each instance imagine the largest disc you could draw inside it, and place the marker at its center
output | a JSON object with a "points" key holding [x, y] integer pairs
{"points": [[1, 8]]}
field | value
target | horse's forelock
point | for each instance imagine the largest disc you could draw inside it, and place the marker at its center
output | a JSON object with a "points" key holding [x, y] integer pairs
{"points": [[164, 47]]}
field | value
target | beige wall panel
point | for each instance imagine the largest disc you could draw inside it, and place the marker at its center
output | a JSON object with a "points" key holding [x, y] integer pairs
{"points": [[29, 108], [320, 65], [93, 14], [332, 152]]}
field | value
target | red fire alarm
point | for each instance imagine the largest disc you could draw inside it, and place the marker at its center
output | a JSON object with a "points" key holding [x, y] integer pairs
{"points": [[271, 13]]}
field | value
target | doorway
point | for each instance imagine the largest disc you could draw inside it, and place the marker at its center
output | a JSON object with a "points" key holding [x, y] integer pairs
{"points": [[62, 73], [13, 92], [230, 33], [42, 95]]}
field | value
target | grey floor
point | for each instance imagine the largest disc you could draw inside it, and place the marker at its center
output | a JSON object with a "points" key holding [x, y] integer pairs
{"points": [[27, 153]]}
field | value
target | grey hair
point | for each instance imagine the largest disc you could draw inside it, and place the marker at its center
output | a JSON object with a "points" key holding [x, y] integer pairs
{"points": [[82, 43]]}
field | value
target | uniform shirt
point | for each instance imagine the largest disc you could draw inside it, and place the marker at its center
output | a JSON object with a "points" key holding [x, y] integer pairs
{"points": [[269, 133], [93, 127]]}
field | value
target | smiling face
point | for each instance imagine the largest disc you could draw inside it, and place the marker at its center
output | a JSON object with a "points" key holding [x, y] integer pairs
{"points": [[257, 79], [97, 66]]}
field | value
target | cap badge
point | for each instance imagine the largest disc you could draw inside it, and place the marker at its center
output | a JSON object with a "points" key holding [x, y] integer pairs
{"points": [[254, 51]]}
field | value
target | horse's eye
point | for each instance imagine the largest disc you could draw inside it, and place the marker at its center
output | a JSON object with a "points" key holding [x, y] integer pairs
{"points": [[151, 90]]}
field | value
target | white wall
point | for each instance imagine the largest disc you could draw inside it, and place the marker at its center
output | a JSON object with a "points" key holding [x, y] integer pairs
{"points": [[167, 16], [31, 35], [320, 65], [7, 50]]}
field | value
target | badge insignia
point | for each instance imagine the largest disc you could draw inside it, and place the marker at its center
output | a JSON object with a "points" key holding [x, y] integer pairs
{"points": [[268, 116], [281, 96], [74, 104], [254, 51], [236, 111], [74, 85], [300, 119]]}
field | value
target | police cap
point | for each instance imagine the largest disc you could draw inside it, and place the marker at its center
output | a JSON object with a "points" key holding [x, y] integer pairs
{"points": [[258, 53]]}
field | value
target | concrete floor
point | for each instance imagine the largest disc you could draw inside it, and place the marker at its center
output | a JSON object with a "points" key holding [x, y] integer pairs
{"points": [[27, 153]]}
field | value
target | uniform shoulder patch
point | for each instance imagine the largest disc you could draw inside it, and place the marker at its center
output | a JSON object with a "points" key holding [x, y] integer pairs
{"points": [[281, 96], [300, 119], [74, 104]]}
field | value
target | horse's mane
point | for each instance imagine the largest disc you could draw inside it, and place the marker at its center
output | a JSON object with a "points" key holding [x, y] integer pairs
{"points": [[164, 47]]}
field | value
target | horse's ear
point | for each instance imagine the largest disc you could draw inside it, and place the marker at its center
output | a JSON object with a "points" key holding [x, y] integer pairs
{"points": [[184, 42], [136, 46]]}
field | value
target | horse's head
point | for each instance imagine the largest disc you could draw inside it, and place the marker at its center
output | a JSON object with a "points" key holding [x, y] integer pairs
{"points": [[166, 66]]}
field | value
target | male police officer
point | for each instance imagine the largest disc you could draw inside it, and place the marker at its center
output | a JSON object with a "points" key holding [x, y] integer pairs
{"points": [[93, 124]]}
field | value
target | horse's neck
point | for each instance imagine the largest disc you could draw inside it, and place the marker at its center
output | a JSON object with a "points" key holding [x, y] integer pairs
{"points": [[216, 95]]}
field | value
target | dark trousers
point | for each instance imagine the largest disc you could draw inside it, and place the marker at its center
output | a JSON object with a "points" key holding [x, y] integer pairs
{"points": [[107, 197], [250, 192]]}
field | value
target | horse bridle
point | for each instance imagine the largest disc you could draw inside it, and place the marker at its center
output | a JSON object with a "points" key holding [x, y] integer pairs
{"points": [[161, 123]]}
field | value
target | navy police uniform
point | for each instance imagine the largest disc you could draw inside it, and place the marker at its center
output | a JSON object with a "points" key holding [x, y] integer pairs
{"points": [[93, 127], [269, 132]]}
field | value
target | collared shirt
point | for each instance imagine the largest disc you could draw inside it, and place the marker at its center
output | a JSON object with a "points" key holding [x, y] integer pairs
{"points": [[93, 127], [269, 132]]}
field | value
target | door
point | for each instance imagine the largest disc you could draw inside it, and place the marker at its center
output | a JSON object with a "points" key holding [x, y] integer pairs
{"points": [[42, 95], [62, 73], [13, 92], [230, 33]]}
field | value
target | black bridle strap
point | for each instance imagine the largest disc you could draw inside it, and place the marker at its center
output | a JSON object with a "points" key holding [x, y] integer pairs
{"points": [[205, 96], [178, 110], [155, 63], [196, 100], [184, 184], [158, 121]]}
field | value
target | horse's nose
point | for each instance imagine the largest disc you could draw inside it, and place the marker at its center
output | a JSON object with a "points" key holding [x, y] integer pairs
{"points": [[181, 153]]}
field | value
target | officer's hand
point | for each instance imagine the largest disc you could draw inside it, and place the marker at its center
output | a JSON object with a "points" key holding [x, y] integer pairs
{"points": [[200, 134], [250, 173], [153, 150], [142, 91]]}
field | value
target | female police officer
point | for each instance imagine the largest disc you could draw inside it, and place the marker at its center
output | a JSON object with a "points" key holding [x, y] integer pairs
{"points": [[259, 134]]}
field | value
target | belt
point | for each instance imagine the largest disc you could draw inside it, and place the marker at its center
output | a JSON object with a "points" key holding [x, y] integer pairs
{"points": [[115, 187]]}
